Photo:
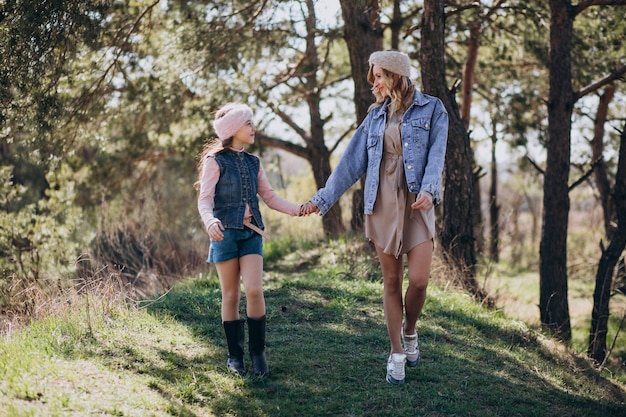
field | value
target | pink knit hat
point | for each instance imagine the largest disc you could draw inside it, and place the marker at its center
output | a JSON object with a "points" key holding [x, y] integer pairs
{"points": [[393, 61], [230, 118]]}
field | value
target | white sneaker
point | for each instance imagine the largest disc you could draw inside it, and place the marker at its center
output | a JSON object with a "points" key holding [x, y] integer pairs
{"points": [[395, 368], [411, 348]]}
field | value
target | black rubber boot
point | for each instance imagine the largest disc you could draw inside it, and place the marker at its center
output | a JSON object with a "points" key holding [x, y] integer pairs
{"points": [[234, 331], [256, 342]]}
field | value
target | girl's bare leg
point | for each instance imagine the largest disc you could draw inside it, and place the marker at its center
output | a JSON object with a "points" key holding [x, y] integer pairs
{"points": [[228, 273], [252, 274]]}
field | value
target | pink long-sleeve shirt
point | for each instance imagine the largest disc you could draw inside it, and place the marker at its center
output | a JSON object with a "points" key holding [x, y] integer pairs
{"points": [[211, 175]]}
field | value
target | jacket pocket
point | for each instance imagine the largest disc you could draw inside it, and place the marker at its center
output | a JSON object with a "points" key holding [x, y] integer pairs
{"points": [[372, 141], [420, 129], [421, 132]]}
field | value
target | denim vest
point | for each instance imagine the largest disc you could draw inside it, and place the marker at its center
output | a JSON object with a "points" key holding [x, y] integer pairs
{"points": [[424, 133], [236, 188]]}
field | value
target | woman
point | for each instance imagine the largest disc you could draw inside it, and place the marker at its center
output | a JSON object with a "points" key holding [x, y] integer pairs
{"points": [[400, 147], [230, 180]]}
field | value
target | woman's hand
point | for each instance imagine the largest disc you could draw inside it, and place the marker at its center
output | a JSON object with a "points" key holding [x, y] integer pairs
{"points": [[424, 201], [216, 230]]}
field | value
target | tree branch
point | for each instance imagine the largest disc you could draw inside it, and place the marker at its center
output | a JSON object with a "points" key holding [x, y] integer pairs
{"points": [[125, 42], [458, 8], [84, 100], [286, 119], [493, 9], [585, 4], [282, 144], [537, 167], [585, 175], [616, 74], [344, 135]]}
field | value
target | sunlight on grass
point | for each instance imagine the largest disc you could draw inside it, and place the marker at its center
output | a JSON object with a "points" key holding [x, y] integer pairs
{"points": [[327, 347], [517, 296], [78, 386]]}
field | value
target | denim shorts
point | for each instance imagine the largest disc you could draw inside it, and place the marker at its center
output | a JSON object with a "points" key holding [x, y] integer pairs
{"points": [[236, 243]]}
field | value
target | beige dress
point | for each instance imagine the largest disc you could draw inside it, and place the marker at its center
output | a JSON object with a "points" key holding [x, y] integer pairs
{"points": [[394, 225]]}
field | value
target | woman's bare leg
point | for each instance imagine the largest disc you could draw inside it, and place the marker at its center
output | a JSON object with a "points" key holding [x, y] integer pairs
{"points": [[419, 260], [393, 272]]}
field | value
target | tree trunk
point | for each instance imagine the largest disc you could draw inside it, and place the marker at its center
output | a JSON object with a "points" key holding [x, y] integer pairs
{"points": [[363, 36], [600, 171], [467, 89], [469, 69], [320, 162], [457, 234], [606, 267], [517, 245], [553, 303], [320, 156], [396, 25], [494, 207], [479, 224]]}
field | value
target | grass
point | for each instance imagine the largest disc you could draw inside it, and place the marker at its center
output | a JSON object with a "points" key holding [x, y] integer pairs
{"points": [[517, 295], [327, 348]]}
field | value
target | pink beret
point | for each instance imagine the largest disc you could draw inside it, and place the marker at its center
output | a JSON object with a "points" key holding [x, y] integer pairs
{"points": [[230, 118]]}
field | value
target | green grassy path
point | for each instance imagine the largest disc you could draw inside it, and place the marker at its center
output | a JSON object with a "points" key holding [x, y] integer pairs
{"points": [[327, 349]]}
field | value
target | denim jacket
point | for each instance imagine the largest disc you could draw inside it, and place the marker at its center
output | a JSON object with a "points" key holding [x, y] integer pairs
{"points": [[424, 133], [237, 187]]}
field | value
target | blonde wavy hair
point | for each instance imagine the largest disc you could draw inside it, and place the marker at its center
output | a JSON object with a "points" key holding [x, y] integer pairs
{"points": [[401, 91]]}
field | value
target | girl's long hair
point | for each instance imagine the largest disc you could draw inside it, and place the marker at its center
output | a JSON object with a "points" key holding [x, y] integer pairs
{"points": [[401, 91], [213, 147], [207, 149]]}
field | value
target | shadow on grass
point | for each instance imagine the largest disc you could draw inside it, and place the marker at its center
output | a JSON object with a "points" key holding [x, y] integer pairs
{"points": [[508, 366], [327, 348]]}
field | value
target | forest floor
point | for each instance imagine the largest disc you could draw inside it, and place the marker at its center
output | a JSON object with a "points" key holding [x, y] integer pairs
{"points": [[327, 348]]}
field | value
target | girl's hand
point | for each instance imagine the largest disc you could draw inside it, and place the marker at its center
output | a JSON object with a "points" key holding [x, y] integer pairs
{"points": [[308, 208], [216, 231], [423, 201]]}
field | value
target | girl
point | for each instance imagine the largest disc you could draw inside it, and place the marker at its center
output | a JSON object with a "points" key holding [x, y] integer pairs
{"points": [[230, 180], [400, 147]]}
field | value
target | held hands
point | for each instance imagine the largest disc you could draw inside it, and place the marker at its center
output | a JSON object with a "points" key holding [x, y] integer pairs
{"points": [[216, 230], [424, 201], [308, 208]]}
